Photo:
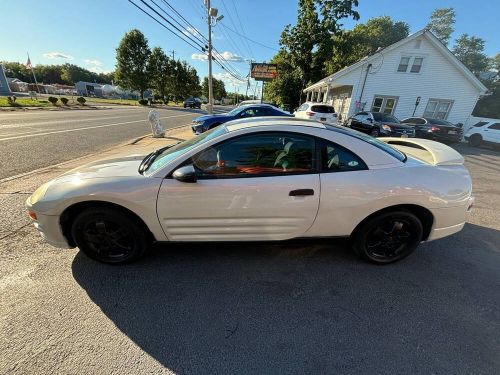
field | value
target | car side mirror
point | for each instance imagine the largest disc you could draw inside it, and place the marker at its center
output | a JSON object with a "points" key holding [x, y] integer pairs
{"points": [[185, 174]]}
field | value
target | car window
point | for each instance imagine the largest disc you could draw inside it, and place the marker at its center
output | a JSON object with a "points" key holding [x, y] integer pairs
{"points": [[335, 158], [480, 123], [383, 117], [414, 120], [495, 126], [303, 107], [322, 109], [361, 116], [436, 121], [257, 155]]}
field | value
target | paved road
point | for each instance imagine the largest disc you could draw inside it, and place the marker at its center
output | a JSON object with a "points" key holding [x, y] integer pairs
{"points": [[292, 308], [36, 139]]}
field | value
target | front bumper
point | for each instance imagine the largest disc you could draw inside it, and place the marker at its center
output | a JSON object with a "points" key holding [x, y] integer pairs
{"points": [[49, 228], [197, 129]]}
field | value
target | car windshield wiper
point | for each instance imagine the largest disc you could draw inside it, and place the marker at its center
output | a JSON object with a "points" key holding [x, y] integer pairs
{"points": [[150, 158]]}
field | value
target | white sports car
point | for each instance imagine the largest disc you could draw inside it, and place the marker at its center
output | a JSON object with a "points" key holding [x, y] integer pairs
{"points": [[258, 180]]}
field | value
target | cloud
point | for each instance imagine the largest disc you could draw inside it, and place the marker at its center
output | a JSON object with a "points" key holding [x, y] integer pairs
{"points": [[93, 62], [228, 79], [98, 69], [57, 55], [226, 55]]}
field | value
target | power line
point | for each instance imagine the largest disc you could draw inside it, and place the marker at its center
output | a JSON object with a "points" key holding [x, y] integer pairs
{"points": [[241, 27], [251, 40], [232, 22]]}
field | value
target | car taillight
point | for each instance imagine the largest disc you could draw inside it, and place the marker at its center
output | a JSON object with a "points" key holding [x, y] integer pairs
{"points": [[435, 129], [310, 113]]}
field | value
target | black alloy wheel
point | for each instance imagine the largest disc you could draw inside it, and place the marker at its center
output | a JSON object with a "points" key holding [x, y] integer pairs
{"points": [[109, 236], [375, 133], [388, 237]]}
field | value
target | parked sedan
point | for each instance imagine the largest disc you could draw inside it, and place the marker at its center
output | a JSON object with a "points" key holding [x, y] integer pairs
{"points": [[380, 124], [436, 129], [203, 123], [262, 179]]}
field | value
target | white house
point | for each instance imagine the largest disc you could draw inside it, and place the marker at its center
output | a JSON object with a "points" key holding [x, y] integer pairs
{"points": [[417, 75]]}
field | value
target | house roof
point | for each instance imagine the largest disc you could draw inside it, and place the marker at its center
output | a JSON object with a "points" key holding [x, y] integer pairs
{"points": [[426, 34]]}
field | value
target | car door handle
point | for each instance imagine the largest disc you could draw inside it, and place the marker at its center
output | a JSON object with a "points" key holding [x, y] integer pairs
{"points": [[301, 192]]}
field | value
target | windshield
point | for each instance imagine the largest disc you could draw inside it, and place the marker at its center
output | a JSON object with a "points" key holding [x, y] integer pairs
{"points": [[235, 111], [173, 152], [383, 117]]}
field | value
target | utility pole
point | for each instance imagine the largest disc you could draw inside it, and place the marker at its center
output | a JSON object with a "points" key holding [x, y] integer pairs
{"points": [[173, 54], [210, 88], [212, 20]]}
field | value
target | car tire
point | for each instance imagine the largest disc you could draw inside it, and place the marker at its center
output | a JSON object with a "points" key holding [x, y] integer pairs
{"points": [[109, 235], [375, 133], [388, 237], [475, 140]]}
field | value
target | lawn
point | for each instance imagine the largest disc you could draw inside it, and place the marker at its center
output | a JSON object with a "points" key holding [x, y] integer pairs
{"points": [[122, 101], [24, 102]]}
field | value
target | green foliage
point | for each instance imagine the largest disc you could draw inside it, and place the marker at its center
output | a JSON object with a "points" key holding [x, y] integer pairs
{"points": [[64, 101], [143, 101], [160, 71], [470, 51], [286, 88], [351, 46], [132, 56], [11, 100], [81, 100], [442, 24], [489, 106], [219, 89], [53, 100], [67, 74]]}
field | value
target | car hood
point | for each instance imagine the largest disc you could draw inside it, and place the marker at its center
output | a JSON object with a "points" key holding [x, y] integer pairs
{"points": [[212, 117], [126, 166]]}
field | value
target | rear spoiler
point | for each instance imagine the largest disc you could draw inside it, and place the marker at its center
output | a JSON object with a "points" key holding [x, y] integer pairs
{"points": [[431, 152]]}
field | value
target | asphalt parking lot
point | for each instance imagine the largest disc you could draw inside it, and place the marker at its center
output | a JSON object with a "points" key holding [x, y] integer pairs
{"points": [[296, 307]]}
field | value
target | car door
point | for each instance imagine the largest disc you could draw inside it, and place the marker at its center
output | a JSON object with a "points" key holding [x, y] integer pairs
{"points": [[261, 186], [357, 121], [492, 133]]}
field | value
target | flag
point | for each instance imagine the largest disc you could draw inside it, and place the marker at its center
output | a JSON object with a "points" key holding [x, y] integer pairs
{"points": [[28, 64]]}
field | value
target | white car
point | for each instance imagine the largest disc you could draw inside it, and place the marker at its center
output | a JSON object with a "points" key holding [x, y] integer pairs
{"points": [[261, 179], [317, 111], [484, 132]]}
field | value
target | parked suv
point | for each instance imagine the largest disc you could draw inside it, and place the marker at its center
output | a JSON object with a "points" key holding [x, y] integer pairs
{"points": [[380, 124], [435, 129], [192, 103], [317, 111], [484, 132]]}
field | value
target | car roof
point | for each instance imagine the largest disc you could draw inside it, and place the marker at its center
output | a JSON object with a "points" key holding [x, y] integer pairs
{"points": [[317, 103], [271, 121]]}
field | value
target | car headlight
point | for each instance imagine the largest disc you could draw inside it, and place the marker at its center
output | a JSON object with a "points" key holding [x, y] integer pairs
{"points": [[39, 193], [386, 128]]}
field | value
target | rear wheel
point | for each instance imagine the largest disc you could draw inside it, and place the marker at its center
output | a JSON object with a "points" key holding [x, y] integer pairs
{"points": [[388, 237], [475, 140], [109, 235], [375, 133]]}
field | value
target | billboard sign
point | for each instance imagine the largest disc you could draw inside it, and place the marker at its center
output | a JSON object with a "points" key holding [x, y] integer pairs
{"points": [[264, 72]]}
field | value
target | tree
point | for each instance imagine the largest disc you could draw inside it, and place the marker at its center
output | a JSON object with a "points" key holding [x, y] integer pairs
{"points": [[219, 88], [364, 39], [442, 24], [285, 90], [132, 56], [160, 71], [469, 50]]}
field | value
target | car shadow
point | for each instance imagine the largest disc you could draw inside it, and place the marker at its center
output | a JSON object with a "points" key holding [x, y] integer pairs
{"points": [[466, 150], [307, 307]]}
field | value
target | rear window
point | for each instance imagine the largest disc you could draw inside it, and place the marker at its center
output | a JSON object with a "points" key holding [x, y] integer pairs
{"points": [[322, 109], [384, 117], [480, 123], [436, 121]]}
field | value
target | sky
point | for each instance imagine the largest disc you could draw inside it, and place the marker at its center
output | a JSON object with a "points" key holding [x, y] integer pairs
{"points": [[87, 32]]}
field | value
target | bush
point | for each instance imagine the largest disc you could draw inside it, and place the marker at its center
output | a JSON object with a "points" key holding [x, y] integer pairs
{"points": [[143, 102], [11, 100], [81, 100], [53, 100], [64, 101]]}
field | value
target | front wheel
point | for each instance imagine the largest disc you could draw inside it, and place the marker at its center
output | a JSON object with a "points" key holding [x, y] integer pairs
{"points": [[109, 236], [375, 133], [388, 237]]}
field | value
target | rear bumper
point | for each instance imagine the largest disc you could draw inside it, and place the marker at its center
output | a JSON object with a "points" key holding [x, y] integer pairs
{"points": [[450, 220]]}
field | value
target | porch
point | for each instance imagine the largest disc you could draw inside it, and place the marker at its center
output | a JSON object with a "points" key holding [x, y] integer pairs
{"points": [[337, 96]]}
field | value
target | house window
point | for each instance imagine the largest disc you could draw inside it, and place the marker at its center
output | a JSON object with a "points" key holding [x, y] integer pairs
{"points": [[384, 104], [407, 61], [417, 64], [403, 64], [438, 108]]}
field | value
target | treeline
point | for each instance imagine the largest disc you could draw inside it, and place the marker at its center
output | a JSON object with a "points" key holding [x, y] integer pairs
{"points": [[66, 74]]}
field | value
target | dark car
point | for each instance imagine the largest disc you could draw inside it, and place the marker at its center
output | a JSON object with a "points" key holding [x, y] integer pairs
{"points": [[380, 124], [192, 103], [203, 123], [435, 129]]}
